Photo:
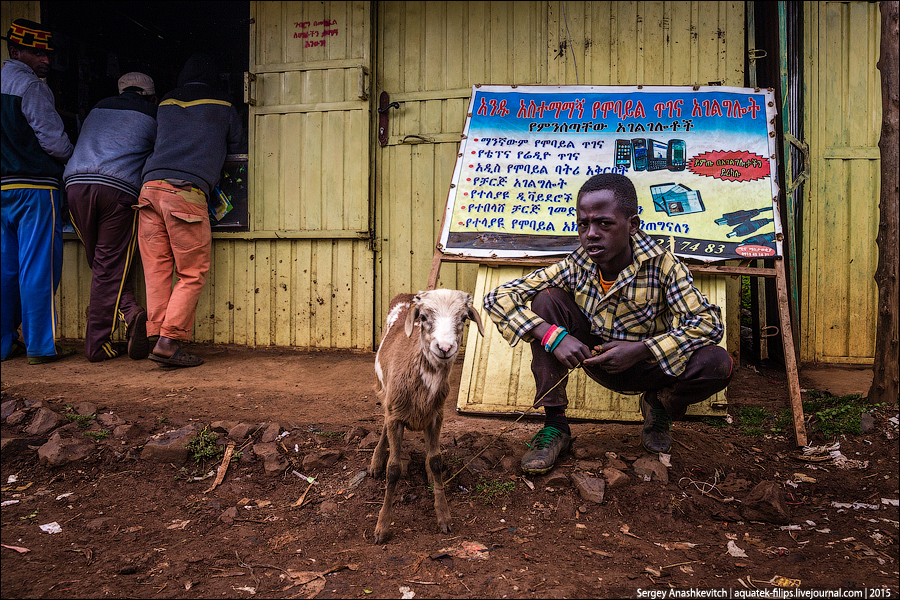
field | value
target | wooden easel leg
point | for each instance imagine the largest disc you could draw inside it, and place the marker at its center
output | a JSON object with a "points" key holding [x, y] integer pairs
{"points": [[435, 270], [790, 356]]}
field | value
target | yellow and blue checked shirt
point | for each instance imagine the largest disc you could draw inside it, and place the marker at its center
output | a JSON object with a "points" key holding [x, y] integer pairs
{"points": [[653, 300]]}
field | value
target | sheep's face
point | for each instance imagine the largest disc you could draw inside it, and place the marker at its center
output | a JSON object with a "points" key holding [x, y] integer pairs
{"points": [[441, 316]]}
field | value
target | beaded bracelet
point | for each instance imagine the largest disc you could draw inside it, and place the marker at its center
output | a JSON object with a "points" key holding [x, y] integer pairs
{"points": [[548, 335], [554, 338], [559, 339]]}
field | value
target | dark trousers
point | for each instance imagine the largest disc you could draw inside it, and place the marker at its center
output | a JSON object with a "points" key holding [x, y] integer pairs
{"points": [[106, 223], [708, 370]]}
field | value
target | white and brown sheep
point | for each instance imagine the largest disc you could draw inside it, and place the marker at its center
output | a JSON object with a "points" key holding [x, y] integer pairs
{"points": [[418, 347]]}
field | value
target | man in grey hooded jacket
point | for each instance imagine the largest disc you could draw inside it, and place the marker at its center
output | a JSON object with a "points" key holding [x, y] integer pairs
{"points": [[103, 179]]}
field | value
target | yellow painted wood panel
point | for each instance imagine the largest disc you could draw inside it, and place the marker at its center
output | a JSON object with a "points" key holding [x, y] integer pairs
{"points": [[428, 48], [840, 218], [497, 378]]}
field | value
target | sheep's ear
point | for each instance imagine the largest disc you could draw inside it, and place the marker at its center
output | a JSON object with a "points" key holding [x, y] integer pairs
{"points": [[473, 315], [411, 315]]}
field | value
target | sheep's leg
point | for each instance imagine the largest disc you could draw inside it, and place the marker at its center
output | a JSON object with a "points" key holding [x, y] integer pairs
{"points": [[394, 431], [379, 457], [433, 466]]}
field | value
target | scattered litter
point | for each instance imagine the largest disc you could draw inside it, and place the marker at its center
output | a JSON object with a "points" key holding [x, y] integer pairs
{"points": [[66, 495], [792, 484], [790, 528], [406, 592], [202, 477], [246, 588], [855, 505], [735, 551], [263, 503], [467, 550], [895, 421], [627, 531], [178, 524], [18, 549], [8, 502], [654, 572], [357, 479], [728, 419], [890, 501], [826, 530], [12, 479], [665, 459], [310, 480], [282, 435], [528, 483], [676, 545], [51, 528], [784, 582], [803, 478]]}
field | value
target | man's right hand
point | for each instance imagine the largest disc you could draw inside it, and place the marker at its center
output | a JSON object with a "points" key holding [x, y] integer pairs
{"points": [[570, 351]]}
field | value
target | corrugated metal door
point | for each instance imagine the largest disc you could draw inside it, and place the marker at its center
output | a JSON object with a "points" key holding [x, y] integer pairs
{"points": [[843, 118], [302, 276], [429, 54]]}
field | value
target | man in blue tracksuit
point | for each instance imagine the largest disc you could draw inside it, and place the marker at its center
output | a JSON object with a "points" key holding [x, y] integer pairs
{"points": [[34, 149], [103, 179]]}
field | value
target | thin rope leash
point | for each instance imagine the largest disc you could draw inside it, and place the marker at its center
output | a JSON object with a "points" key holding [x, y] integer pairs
{"points": [[491, 443]]}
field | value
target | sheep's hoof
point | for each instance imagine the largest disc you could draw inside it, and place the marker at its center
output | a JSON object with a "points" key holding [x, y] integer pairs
{"points": [[376, 473], [382, 537], [445, 527]]}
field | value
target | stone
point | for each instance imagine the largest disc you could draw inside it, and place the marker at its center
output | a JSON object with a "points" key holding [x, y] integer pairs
{"points": [[765, 502], [732, 484], [31, 403], [510, 464], [222, 426], [122, 431], [85, 408], [615, 478], [270, 432], [169, 446], [43, 422], [59, 451], [590, 488], [17, 418], [617, 463], [866, 422], [228, 516], [273, 462], [240, 431], [370, 441], [7, 408], [100, 523], [327, 508], [322, 459], [588, 465], [110, 420], [355, 433], [580, 531], [649, 468], [587, 446]]}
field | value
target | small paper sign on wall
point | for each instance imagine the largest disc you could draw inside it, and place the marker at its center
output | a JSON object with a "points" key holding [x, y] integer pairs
{"points": [[702, 162]]}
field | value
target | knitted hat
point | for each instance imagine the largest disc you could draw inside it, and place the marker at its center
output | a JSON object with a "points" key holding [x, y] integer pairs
{"points": [[29, 34], [138, 80]]}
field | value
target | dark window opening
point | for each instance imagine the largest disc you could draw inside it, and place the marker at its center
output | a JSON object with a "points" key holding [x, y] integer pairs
{"points": [[98, 42]]}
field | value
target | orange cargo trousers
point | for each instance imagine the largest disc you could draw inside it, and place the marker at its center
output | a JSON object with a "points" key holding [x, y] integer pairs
{"points": [[173, 235]]}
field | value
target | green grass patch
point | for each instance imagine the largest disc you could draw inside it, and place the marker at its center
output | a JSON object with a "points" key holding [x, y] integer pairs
{"points": [[97, 435], [331, 434], [833, 416], [488, 490], [203, 446], [745, 313], [84, 421], [715, 421], [753, 419]]}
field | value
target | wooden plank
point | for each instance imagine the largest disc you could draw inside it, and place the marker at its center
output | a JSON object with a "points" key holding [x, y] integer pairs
{"points": [[790, 362]]}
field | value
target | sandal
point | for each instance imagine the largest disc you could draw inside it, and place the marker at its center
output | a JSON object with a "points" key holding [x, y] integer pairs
{"points": [[178, 359], [18, 349], [60, 354]]}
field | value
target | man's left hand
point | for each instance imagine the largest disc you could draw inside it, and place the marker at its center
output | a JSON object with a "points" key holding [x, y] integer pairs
{"points": [[619, 356]]}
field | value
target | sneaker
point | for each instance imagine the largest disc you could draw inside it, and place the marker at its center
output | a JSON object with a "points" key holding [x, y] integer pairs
{"points": [[61, 352], [546, 445], [656, 434]]}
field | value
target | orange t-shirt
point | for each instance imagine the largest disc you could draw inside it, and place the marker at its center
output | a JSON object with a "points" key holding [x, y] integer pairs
{"points": [[605, 285]]}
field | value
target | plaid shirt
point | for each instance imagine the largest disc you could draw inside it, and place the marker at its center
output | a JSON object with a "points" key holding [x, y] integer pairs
{"points": [[653, 300]]}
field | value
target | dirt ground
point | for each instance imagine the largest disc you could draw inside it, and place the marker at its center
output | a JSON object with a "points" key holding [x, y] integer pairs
{"points": [[136, 528]]}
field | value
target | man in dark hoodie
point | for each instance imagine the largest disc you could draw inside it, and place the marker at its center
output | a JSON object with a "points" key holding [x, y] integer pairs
{"points": [[103, 179], [197, 126]]}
